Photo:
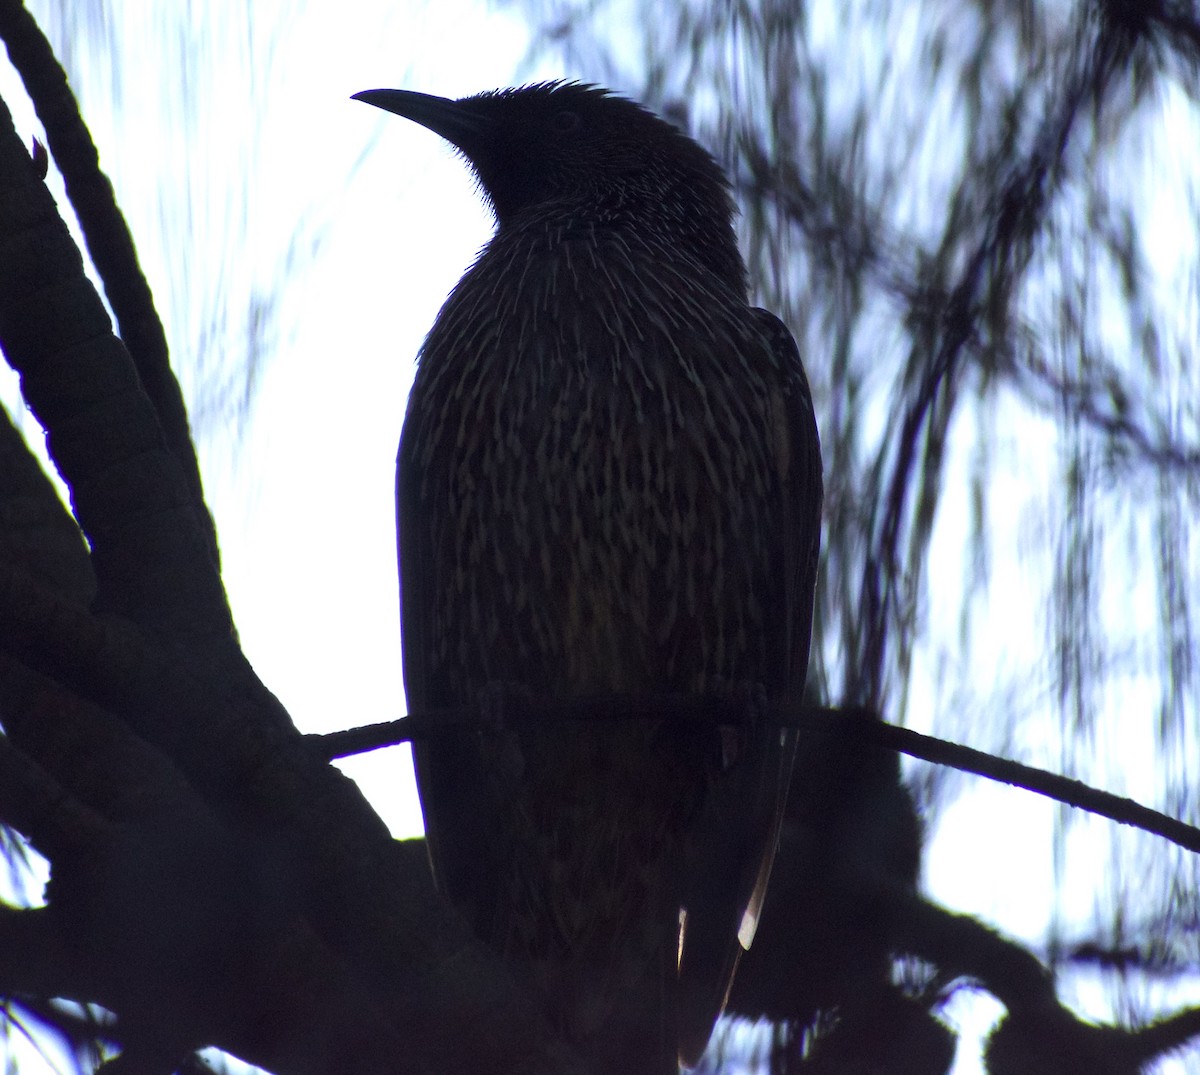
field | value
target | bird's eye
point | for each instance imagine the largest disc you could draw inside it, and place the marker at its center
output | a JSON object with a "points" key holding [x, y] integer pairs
{"points": [[565, 122]]}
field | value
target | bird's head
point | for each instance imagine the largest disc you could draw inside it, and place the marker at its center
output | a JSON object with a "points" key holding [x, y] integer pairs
{"points": [[581, 153]]}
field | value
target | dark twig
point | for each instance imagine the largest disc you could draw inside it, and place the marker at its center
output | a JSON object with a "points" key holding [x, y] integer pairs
{"points": [[823, 719]]}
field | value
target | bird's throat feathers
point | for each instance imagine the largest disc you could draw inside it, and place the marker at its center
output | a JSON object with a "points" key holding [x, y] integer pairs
{"points": [[632, 223], [596, 296]]}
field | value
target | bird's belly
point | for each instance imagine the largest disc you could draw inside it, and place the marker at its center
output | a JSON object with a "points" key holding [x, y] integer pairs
{"points": [[600, 559], [588, 550]]}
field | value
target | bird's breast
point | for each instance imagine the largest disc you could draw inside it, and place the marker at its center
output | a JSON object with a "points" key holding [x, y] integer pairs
{"points": [[596, 444]]}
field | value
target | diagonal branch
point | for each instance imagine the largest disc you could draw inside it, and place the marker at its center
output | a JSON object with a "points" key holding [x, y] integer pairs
{"points": [[106, 233], [98, 659], [35, 804], [147, 530]]}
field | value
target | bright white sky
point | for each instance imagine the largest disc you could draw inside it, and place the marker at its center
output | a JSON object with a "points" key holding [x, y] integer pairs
{"points": [[304, 497]]}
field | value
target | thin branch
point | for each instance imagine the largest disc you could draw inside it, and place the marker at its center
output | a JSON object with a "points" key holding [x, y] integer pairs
{"points": [[1081, 398], [1017, 210], [831, 720], [1062, 789]]}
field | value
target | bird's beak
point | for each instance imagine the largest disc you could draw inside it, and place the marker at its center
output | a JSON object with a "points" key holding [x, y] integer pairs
{"points": [[441, 115]]}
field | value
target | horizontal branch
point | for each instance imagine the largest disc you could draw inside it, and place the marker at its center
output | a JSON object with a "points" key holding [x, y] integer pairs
{"points": [[711, 709]]}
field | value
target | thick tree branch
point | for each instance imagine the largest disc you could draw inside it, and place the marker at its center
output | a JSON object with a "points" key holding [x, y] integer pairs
{"points": [[96, 658], [38, 533], [106, 233], [35, 804], [34, 961], [145, 527], [195, 698]]}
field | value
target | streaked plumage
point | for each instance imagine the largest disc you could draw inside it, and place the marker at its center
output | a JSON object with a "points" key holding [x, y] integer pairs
{"points": [[609, 481]]}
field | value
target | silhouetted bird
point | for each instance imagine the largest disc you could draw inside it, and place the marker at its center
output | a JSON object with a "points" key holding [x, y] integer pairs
{"points": [[609, 481]]}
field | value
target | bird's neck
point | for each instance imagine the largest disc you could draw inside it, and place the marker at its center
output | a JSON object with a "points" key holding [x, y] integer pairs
{"points": [[707, 251], [673, 221]]}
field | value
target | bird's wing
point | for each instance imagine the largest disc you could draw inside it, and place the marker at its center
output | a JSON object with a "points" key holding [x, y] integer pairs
{"points": [[802, 489], [448, 774], [735, 846]]}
